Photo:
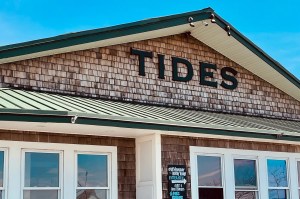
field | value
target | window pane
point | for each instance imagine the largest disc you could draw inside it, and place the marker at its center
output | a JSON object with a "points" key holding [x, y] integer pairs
{"points": [[245, 195], [40, 194], [92, 170], [245, 173], [210, 193], [1, 168], [91, 194], [41, 169], [209, 171], [278, 194], [1, 194], [277, 173]]}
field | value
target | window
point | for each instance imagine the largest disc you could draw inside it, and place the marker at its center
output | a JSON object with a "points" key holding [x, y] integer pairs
{"points": [[41, 175], [210, 177], [92, 176], [277, 179], [243, 174], [51, 171], [245, 179], [2, 175]]}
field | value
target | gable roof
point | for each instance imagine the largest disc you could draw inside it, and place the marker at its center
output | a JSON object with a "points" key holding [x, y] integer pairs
{"points": [[236, 47]]}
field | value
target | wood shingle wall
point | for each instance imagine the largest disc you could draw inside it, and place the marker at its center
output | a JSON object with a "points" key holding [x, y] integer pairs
{"points": [[111, 72]]}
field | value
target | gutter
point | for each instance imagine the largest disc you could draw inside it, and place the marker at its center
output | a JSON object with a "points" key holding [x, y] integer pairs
{"points": [[67, 118]]}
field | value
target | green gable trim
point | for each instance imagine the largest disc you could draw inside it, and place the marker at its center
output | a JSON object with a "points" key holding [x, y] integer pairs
{"points": [[137, 125]]}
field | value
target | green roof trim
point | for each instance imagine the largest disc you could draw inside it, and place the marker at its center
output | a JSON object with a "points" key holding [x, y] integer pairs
{"points": [[30, 106], [137, 125], [72, 39]]}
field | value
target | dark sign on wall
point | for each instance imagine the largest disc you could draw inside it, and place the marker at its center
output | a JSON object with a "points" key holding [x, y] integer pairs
{"points": [[177, 181], [207, 70]]}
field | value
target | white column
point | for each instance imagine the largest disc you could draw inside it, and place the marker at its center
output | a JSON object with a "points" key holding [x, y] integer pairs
{"points": [[148, 167]]}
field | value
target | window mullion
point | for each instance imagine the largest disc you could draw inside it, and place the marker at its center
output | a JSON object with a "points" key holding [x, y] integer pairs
{"points": [[228, 177], [69, 170], [293, 179], [262, 177]]}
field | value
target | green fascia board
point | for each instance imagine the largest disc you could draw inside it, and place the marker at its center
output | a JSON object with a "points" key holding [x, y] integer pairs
{"points": [[66, 118], [83, 37]]}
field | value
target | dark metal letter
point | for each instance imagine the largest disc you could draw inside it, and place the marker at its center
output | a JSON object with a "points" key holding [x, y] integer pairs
{"points": [[161, 66], [230, 78], [204, 74], [142, 55], [190, 72]]}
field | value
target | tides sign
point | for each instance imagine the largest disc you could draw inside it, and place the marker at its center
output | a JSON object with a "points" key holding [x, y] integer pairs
{"points": [[228, 74]]}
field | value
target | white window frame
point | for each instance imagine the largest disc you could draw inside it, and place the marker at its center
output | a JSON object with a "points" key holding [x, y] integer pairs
{"points": [[60, 174], [262, 172], [287, 173], [240, 157], [222, 170], [14, 166], [108, 188], [5, 173]]}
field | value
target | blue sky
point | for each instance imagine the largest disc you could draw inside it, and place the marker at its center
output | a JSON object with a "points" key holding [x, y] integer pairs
{"points": [[271, 24]]}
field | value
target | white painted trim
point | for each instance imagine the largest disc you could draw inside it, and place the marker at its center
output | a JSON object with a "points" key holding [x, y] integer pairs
{"points": [[156, 180], [262, 174], [67, 176]]}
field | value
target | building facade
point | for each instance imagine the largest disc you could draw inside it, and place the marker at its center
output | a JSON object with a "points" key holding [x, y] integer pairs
{"points": [[177, 107]]}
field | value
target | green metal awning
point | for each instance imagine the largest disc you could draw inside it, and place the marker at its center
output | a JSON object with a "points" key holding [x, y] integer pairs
{"points": [[31, 106]]}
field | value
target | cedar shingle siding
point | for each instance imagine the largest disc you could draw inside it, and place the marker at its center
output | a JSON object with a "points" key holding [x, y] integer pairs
{"points": [[111, 72]]}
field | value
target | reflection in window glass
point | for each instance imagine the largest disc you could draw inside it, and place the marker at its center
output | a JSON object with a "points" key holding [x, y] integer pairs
{"points": [[91, 194], [41, 169], [277, 178], [245, 173], [92, 170], [278, 194], [245, 179], [209, 171], [209, 177], [40, 194], [92, 176], [245, 195], [277, 173]]}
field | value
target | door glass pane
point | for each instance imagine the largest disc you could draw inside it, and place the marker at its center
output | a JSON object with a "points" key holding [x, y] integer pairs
{"points": [[210, 193], [245, 195], [1, 168], [41, 170], [92, 171], [277, 173], [40, 194], [91, 194], [245, 173], [209, 171], [278, 194]]}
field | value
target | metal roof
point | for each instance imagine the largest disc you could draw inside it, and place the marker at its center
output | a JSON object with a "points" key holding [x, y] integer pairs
{"points": [[23, 102]]}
